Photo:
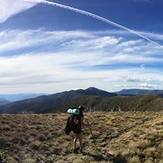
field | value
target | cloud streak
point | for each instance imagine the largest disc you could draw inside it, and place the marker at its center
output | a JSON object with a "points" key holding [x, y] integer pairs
{"points": [[97, 17], [18, 6]]}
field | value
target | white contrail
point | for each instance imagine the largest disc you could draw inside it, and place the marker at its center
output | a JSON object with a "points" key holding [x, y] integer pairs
{"points": [[95, 17]]}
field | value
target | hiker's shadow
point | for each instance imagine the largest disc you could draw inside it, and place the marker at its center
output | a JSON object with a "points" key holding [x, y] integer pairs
{"points": [[97, 157], [119, 159], [110, 157]]}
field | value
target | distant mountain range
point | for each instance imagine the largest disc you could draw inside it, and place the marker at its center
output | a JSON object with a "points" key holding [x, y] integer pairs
{"points": [[92, 98], [139, 92], [4, 101], [17, 97], [52, 103]]}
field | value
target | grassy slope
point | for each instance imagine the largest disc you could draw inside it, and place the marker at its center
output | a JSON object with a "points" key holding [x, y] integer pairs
{"points": [[133, 136]]}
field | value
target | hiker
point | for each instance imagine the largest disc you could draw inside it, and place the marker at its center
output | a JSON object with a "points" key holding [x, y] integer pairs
{"points": [[75, 124]]}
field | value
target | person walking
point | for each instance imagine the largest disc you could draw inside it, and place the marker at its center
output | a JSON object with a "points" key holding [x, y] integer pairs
{"points": [[75, 124]]}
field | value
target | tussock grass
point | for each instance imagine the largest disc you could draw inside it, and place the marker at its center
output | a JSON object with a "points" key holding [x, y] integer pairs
{"points": [[119, 136]]}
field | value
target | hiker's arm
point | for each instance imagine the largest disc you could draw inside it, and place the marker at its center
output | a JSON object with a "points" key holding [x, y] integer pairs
{"points": [[82, 123]]}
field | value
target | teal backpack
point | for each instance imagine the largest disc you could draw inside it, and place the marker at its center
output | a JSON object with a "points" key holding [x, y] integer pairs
{"points": [[74, 111]]}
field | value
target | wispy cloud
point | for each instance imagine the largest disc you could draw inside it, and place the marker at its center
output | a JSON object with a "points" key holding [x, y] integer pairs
{"points": [[60, 60], [16, 39], [147, 85], [9, 8], [51, 72], [73, 40]]}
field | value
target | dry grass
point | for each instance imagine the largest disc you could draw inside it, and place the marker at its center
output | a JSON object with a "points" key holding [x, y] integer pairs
{"points": [[133, 137]]}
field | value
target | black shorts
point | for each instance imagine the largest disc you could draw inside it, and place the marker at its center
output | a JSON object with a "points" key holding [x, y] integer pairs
{"points": [[77, 130]]}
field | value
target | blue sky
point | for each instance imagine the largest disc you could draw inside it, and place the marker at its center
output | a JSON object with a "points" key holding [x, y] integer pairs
{"points": [[48, 49]]}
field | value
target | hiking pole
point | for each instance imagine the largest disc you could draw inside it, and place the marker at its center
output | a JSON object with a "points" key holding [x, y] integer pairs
{"points": [[90, 129], [89, 126]]}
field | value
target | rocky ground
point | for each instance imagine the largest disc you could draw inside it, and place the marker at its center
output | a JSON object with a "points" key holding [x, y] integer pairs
{"points": [[118, 137]]}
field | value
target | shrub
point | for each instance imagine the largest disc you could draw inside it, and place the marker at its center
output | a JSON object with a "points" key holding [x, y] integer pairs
{"points": [[3, 143], [36, 144], [134, 159]]}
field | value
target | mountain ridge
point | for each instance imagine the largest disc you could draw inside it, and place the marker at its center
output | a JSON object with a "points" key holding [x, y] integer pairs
{"points": [[137, 92], [18, 96], [45, 102], [92, 98], [3, 101]]}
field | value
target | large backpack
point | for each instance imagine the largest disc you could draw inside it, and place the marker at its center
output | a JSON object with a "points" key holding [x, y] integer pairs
{"points": [[68, 126], [74, 111], [72, 121]]}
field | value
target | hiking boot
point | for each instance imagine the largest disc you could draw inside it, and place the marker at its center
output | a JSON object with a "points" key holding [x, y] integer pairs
{"points": [[75, 151], [81, 150]]}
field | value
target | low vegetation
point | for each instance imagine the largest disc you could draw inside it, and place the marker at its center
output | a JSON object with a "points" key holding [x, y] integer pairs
{"points": [[134, 137]]}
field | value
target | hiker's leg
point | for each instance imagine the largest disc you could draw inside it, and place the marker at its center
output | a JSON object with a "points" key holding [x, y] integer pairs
{"points": [[75, 141], [80, 142]]}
